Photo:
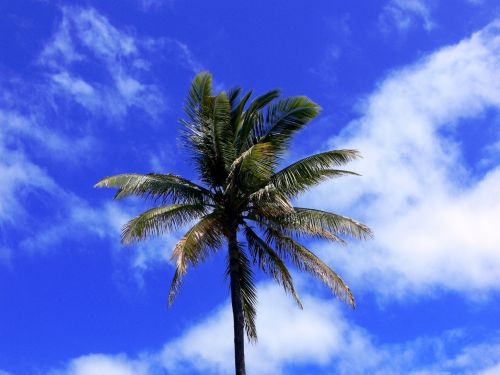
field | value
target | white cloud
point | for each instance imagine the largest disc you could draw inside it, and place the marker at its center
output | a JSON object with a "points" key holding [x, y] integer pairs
{"points": [[30, 111], [434, 218], [86, 36], [93, 31], [25, 181], [321, 335], [18, 129], [287, 335], [19, 178], [75, 86], [404, 14], [154, 4], [77, 220], [98, 364], [187, 57]]}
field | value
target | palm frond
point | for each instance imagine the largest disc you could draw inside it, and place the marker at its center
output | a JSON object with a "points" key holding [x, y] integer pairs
{"points": [[164, 187], [223, 133], [338, 224], [253, 120], [281, 222], [248, 294], [195, 246], [284, 118], [270, 262], [233, 94], [253, 166], [175, 285], [201, 87], [200, 129], [306, 260], [237, 114], [269, 202], [311, 170], [159, 220]]}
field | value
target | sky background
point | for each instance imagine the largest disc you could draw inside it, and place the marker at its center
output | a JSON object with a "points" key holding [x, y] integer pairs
{"points": [[90, 89]]}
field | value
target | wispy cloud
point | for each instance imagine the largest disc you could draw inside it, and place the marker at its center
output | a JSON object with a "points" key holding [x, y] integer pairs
{"points": [[126, 64], [434, 217], [86, 37], [77, 220], [20, 175], [108, 71], [405, 14], [148, 5]]}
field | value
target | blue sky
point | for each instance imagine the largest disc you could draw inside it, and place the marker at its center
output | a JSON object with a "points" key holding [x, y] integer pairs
{"points": [[90, 89]]}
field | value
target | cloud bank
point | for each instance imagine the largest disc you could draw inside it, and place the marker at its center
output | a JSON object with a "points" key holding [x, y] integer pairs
{"points": [[291, 340], [434, 210]]}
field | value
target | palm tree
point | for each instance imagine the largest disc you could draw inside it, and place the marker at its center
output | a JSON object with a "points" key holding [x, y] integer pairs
{"points": [[237, 145]]}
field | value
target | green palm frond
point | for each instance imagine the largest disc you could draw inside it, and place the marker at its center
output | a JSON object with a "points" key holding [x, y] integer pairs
{"points": [[237, 115], [223, 133], [338, 224], [202, 129], [269, 203], [201, 87], [270, 262], [306, 260], [253, 119], [157, 186], [290, 228], [284, 118], [204, 237], [159, 220], [233, 94], [292, 183], [248, 293], [317, 223], [307, 172], [253, 166]]}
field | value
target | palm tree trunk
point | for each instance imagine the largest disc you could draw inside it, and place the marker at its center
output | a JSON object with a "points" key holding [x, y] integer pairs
{"points": [[238, 319]]}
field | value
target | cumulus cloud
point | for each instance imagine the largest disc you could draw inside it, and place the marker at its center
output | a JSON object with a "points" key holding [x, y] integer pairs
{"points": [[287, 335], [291, 340], [321, 335], [433, 213], [405, 14], [98, 364]]}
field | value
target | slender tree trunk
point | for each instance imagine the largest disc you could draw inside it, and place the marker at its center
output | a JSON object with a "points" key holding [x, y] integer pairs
{"points": [[239, 323]]}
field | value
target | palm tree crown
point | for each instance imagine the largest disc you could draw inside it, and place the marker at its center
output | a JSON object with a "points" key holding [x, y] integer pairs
{"points": [[237, 145]]}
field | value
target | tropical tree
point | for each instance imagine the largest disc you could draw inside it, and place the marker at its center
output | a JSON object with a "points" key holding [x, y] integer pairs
{"points": [[237, 145]]}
